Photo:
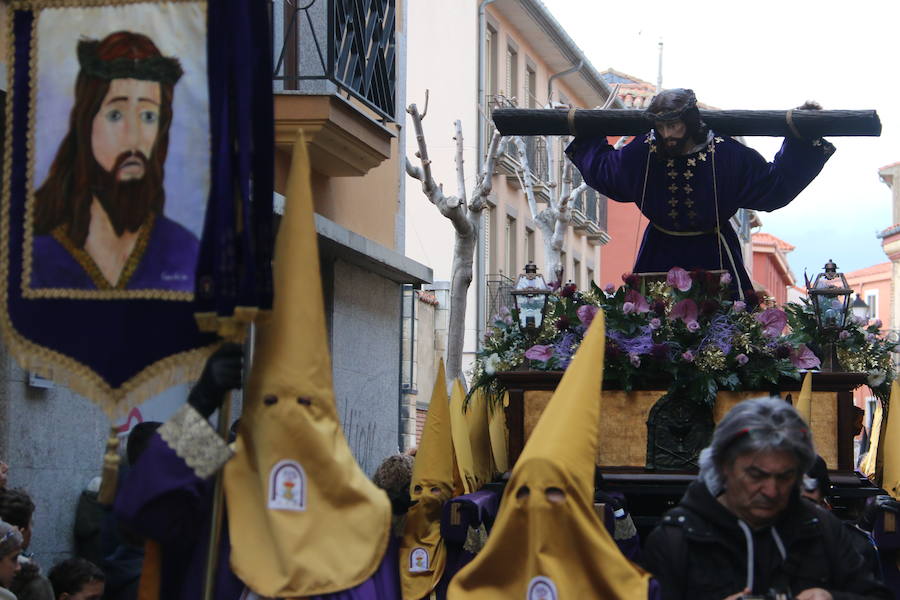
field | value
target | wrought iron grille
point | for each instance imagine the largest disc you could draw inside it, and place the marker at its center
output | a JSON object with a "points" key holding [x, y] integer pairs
{"points": [[536, 151], [499, 295], [349, 43]]}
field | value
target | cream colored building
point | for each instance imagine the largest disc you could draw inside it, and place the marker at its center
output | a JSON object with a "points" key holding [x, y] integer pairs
{"points": [[523, 56]]}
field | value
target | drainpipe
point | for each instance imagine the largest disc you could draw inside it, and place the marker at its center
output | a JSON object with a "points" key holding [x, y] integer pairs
{"points": [[480, 150], [561, 74]]}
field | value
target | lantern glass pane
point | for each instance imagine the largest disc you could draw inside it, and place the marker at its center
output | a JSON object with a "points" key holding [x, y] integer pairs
{"points": [[531, 308]]}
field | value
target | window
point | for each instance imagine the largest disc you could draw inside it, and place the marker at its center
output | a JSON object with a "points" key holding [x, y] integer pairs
{"points": [[872, 301], [590, 277], [529, 245], [490, 246], [530, 88], [562, 263], [576, 273], [490, 53], [512, 75], [512, 262]]}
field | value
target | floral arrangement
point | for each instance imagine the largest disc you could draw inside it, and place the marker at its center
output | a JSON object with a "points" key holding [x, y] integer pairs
{"points": [[684, 333]]}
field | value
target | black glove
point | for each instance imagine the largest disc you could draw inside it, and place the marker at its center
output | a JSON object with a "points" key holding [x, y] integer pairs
{"points": [[222, 373]]}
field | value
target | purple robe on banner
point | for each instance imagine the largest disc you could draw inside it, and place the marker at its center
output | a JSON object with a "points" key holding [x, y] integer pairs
{"points": [[165, 499], [685, 204]]}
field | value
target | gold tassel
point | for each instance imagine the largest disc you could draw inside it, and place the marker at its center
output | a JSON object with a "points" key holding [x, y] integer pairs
{"points": [[109, 481]]}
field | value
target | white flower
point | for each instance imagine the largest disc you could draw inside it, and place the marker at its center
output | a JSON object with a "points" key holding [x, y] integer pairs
{"points": [[876, 378], [490, 364]]}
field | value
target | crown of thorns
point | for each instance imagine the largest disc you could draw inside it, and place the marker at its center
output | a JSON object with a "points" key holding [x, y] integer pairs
{"points": [[154, 68], [690, 103]]}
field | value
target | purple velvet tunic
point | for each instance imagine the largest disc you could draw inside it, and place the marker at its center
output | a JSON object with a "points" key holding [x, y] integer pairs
{"points": [[168, 262], [163, 499], [681, 195]]}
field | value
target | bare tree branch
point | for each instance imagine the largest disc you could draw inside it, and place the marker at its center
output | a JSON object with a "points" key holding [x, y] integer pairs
{"points": [[460, 163], [486, 175]]}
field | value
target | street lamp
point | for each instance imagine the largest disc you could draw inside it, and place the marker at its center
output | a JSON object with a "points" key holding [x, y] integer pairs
{"points": [[860, 309], [530, 295], [830, 296]]}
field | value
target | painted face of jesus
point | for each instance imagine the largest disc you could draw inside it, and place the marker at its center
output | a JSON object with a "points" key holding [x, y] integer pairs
{"points": [[125, 128], [674, 134]]}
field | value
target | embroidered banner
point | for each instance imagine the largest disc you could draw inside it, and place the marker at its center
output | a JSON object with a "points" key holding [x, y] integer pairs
{"points": [[127, 189]]}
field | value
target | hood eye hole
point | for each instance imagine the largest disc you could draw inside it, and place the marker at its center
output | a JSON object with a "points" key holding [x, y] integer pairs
{"points": [[304, 401], [523, 492], [435, 490], [270, 400], [554, 494], [417, 489]]}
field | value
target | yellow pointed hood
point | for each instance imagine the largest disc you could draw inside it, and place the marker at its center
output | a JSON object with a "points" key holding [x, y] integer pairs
{"points": [[804, 401], [497, 425], [303, 517], [547, 541], [462, 445], [480, 437], [422, 552], [867, 466], [891, 478]]}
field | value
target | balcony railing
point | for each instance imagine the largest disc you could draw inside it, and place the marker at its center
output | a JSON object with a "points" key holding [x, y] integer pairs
{"points": [[337, 46], [499, 295]]}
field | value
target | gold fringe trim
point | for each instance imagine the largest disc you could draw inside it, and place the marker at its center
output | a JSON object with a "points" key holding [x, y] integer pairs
{"points": [[235, 327]]}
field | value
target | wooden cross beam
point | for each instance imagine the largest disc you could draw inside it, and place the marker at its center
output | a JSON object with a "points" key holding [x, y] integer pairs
{"points": [[619, 122]]}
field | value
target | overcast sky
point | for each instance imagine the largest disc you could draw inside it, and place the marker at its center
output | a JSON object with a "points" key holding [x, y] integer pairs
{"points": [[775, 55]]}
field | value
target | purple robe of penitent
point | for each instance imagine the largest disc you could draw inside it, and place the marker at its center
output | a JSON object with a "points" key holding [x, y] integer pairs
{"points": [[690, 199]]}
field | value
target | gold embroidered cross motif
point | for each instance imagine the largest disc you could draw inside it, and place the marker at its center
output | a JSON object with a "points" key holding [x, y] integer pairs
{"points": [[689, 202], [719, 140], [688, 189], [652, 147], [817, 142], [702, 156], [670, 163], [673, 213], [692, 214], [688, 174], [692, 162], [673, 173], [673, 202], [673, 188]]}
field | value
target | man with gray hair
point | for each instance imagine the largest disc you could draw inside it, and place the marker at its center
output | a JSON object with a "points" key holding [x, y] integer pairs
{"points": [[742, 528]]}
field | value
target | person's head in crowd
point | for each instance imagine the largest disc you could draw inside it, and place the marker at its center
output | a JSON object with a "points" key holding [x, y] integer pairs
{"points": [[138, 438], [4, 474], [756, 460], [394, 475], [816, 483], [10, 547], [858, 416], [17, 509], [77, 579]]}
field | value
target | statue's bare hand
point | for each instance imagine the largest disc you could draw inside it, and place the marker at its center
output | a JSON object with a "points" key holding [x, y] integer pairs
{"points": [[810, 105]]}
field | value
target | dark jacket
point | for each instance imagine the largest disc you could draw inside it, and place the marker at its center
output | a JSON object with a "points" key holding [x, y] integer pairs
{"points": [[699, 551]]}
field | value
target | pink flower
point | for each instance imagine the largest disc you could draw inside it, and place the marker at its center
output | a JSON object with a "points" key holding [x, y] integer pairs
{"points": [[678, 278], [803, 358], [844, 335], [628, 308], [655, 323], [686, 310], [635, 360], [640, 303], [693, 326], [610, 289], [877, 323], [539, 352], [739, 306], [773, 321], [870, 337], [742, 359], [725, 279], [688, 356], [586, 314]]}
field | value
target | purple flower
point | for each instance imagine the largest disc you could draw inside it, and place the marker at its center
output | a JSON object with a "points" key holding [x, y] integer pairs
{"points": [[539, 352], [586, 314], [877, 323], [693, 326], [773, 321], [628, 308], [686, 310], [640, 303], [870, 337], [725, 279], [631, 280], [803, 358], [741, 359], [678, 278], [635, 360], [739, 306], [655, 323], [843, 335], [688, 356]]}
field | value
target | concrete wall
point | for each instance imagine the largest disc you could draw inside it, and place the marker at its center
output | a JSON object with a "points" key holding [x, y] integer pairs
{"points": [[365, 339]]}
